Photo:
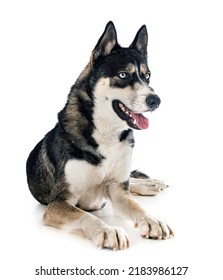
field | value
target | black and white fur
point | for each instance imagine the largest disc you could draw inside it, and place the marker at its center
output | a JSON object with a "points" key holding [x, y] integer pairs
{"points": [[86, 158]]}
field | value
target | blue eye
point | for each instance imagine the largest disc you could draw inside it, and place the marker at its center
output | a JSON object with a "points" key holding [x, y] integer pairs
{"points": [[147, 76], [123, 75]]}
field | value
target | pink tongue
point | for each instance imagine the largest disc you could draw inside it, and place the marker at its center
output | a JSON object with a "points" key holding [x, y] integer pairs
{"points": [[141, 121]]}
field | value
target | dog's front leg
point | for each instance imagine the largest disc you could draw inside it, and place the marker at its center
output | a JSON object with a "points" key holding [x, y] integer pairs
{"points": [[126, 205], [142, 184], [62, 215]]}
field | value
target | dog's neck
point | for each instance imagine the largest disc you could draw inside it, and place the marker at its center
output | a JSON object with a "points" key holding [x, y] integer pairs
{"points": [[108, 129]]}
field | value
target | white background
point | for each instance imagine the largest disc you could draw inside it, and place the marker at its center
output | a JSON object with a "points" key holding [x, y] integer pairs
{"points": [[44, 46]]}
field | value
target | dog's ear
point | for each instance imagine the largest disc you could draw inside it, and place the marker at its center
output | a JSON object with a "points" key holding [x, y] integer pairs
{"points": [[141, 40], [106, 43]]}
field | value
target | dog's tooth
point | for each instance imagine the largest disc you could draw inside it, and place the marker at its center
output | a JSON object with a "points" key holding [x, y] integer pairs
{"points": [[134, 121]]}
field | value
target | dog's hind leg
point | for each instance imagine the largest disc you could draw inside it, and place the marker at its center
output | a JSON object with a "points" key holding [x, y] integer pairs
{"points": [[142, 184], [62, 215]]}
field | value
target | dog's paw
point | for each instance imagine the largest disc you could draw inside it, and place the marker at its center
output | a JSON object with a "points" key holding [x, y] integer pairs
{"points": [[154, 229], [147, 186], [111, 237]]}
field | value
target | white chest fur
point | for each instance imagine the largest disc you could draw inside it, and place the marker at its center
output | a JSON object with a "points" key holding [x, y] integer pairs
{"points": [[116, 165]]}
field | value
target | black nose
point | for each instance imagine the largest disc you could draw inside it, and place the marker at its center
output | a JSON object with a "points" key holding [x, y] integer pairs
{"points": [[153, 101]]}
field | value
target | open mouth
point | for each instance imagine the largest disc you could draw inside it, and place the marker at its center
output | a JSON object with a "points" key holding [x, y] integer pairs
{"points": [[136, 121]]}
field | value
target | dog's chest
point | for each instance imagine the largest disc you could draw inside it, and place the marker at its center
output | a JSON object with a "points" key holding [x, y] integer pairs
{"points": [[82, 175], [117, 162]]}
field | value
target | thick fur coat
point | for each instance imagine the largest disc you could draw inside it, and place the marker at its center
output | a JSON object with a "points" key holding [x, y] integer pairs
{"points": [[86, 158]]}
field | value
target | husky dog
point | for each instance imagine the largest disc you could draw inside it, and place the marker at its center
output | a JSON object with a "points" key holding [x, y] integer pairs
{"points": [[86, 158]]}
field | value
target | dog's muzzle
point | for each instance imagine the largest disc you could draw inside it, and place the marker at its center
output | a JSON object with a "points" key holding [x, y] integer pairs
{"points": [[153, 101]]}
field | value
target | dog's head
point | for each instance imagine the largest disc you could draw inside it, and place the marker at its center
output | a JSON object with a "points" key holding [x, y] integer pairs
{"points": [[121, 78]]}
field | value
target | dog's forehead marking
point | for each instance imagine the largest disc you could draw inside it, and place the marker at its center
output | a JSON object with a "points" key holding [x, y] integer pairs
{"points": [[143, 68], [131, 67], [139, 69]]}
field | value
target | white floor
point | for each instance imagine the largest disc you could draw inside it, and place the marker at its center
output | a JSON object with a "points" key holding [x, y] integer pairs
{"points": [[183, 145]]}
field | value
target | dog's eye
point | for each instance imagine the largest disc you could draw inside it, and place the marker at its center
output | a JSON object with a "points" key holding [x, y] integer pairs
{"points": [[123, 75], [147, 76]]}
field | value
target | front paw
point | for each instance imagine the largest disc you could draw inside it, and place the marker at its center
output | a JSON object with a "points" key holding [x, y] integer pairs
{"points": [[154, 229], [111, 237], [147, 186]]}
